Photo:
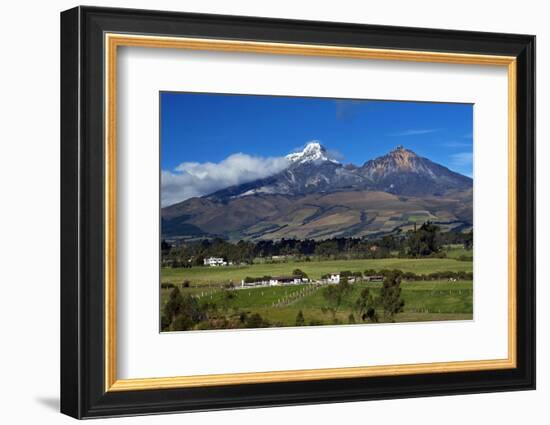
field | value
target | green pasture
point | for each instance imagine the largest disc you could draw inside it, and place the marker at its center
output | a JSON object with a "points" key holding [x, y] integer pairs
{"points": [[217, 276], [455, 251], [424, 301]]}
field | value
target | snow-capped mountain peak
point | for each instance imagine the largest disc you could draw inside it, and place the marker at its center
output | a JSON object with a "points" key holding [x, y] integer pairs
{"points": [[313, 152]]}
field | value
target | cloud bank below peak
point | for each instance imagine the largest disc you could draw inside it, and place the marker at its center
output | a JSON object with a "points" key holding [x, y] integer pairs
{"points": [[191, 179]]}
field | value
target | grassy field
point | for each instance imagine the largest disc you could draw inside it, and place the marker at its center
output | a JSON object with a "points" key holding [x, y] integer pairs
{"points": [[457, 251], [279, 305], [424, 301], [198, 276]]}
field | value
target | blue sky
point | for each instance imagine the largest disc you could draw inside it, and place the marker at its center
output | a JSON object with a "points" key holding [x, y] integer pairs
{"points": [[201, 129]]}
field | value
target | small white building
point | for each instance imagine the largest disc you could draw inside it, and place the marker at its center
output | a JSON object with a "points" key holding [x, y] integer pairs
{"points": [[334, 278], [259, 282], [215, 262], [285, 280], [275, 281]]}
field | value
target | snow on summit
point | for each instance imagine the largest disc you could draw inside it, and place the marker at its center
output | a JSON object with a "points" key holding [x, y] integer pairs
{"points": [[313, 152]]}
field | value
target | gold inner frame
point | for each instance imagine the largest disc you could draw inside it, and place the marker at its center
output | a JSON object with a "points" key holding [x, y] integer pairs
{"points": [[113, 41]]}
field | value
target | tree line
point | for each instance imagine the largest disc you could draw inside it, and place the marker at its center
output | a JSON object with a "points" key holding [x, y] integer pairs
{"points": [[426, 241]]}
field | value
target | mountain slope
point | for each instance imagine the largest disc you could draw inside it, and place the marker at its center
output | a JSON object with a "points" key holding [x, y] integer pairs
{"points": [[317, 216], [309, 171], [403, 172], [317, 197]]}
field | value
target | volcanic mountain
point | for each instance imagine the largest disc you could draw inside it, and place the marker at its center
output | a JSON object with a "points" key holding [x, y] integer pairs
{"points": [[403, 172], [309, 171], [400, 172], [318, 197]]}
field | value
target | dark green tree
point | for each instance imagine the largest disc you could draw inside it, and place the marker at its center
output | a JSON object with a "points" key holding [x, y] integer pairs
{"points": [[327, 248], [256, 321], [334, 296], [299, 272], [228, 295], [189, 314], [390, 296], [469, 240], [181, 312], [171, 308], [182, 322], [165, 322], [424, 241], [165, 247], [366, 306], [300, 321]]}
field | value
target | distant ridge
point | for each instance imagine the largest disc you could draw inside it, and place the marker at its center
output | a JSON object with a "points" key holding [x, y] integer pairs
{"points": [[318, 197], [401, 171]]}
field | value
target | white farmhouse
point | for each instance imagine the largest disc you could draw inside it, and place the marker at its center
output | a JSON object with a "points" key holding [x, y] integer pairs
{"points": [[334, 278], [215, 262], [258, 282], [285, 280]]}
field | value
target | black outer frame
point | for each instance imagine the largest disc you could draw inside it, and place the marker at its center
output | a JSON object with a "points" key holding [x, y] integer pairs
{"points": [[82, 219]]}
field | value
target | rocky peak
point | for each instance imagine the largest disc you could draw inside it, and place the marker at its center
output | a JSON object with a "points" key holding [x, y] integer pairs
{"points": [[399, 158], [402, 154], [402, 171]]}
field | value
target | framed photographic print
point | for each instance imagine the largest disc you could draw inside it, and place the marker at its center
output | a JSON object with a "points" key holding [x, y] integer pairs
{"points": [[261, 212]]}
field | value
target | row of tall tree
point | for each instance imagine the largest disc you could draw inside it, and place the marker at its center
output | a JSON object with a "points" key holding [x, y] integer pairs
{"points": [[425, 241]]}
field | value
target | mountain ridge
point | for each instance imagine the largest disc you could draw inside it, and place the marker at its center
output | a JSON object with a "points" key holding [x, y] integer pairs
{"points": [[318, 197], [401, 171]]}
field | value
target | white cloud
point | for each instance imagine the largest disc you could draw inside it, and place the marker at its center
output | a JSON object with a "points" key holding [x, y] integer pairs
{"points": [[462, 162], [190, 179], [457, 144], [346, 109], [415, 132], [334, 154], [462, 159]]}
